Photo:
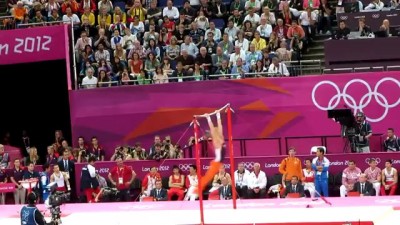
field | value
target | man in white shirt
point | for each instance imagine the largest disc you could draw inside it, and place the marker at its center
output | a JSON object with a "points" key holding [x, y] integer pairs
{"points": [[171, 11], [70, 17], [265, 29], [215, 31], [257, 183], [277, 68], [253, 17], [375, 5], [241, 178], [89, 81], [237, 54]]}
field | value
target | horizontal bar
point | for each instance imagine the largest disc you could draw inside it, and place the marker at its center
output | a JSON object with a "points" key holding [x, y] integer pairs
{"points": [[215, 112]]}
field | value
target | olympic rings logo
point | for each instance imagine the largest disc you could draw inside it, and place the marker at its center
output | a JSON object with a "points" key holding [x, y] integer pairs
{"points": [[365, 99], [375, 16], [343, 17], [377, 160], [184, 167], [249, 165]]}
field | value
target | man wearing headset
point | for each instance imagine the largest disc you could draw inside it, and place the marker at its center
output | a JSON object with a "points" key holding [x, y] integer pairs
{"points": [[364, 131], [30, 215]]}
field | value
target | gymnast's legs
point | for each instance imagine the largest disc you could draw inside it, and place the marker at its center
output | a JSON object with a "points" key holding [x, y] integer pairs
{"points": [[219, 148]]}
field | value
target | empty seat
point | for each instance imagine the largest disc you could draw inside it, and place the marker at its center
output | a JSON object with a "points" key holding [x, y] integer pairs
{"points": [[219, 23]]}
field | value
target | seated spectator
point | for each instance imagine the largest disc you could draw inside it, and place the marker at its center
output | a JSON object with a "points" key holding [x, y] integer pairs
{"points": [[127, 79], [235, 55], [19, 11], [286, 16], [32, 158], [172, 50], [137, 27], [151, 34], [4, 158], [181, 33], [51, 157], [154, 13], [202, 21], [176, 184], [259, 42], [295, 31], [218, 58], [136, 64], [389, 179], [268, 15], [118, 25], [281, 30], [226, 45], [103, 80], [308, 20], [196, 34], [217, 182], [277, 68], [313, 4], [219, 9], [350, 176], [264, 28], [223, 69], [237, 5], [239, 70], [231, 31], [89, 16], [180, 73], [72, 4], [210, 44], [392, 142], [38, 18], [104, 17], [376, 5], [86, 3], [241, 179], [364, 187], [170, 11], [252, 57], [204, 60], [189, 46], [89, 81], [136, 10], [192, 183], [294, 187], [273, 43], [237, 19], [257, 183], [51, 5], [188, 11], [107, 5], [242, 42], [160, 77], [119, 16], [283, 53], [187, 61], [54, 17], [159, 193], [70, 17]]}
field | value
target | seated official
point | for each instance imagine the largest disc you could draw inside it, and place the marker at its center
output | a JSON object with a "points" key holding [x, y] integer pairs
{"points": [[364, 187], [225, 190], [159, 193], [341, 33], [30, 214], [257, 183], [392, 142], [192, 183], [365, 30], [295, 187], [217, 181], [350, 176]]}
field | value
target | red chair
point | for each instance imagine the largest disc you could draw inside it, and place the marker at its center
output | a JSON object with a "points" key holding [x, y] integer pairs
{"points": [[148, 199], [213, 197], [293, 195], [353, 194]]}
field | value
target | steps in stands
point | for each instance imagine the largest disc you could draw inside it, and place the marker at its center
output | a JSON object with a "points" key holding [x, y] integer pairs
{"points": [[3, 7]]}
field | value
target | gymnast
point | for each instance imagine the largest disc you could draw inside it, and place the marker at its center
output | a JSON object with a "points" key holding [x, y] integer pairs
{"points": [[219, 148]]}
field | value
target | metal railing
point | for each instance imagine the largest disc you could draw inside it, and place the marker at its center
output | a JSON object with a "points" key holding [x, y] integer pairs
{"points": [[7, 23], [361, 69]]}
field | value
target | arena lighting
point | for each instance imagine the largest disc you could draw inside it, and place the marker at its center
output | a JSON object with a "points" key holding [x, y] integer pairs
{"points": [[227, 108]]}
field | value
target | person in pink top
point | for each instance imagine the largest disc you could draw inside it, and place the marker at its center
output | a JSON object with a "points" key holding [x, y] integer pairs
{"points": [[373, 174], [389, 179], [349, 177]]}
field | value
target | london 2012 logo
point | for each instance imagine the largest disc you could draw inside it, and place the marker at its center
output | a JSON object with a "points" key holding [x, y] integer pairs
{"points": [[373, 93]]}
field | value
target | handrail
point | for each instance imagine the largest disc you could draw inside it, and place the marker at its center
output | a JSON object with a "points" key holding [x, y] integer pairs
{"points": [[41, 23]]}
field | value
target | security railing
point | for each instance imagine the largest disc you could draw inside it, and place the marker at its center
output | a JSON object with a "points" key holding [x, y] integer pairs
{"points": [[362, 69], [7, 23]]}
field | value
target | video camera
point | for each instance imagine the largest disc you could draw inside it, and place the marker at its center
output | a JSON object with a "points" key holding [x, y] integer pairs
{"points": [[110, 194], [55, 200]]}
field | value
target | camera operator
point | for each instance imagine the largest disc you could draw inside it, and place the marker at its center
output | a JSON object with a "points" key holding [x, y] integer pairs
{"points": [[30, 215], [138, 152], [122, 176], [364, 133], [392, 142], [158, 153], [121, 152]]}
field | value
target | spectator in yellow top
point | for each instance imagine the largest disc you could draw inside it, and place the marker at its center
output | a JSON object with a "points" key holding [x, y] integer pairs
{"points": [[87, 14], [259, 42], [289, 167]]}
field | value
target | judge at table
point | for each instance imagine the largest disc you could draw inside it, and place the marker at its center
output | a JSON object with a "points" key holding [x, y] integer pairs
{"points": [[159, 193]]}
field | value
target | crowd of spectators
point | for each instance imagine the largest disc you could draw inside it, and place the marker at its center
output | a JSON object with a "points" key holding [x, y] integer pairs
{"points": [[140, 42]]}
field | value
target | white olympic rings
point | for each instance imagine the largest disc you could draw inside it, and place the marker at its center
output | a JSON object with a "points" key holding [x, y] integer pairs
{"points": [[364, 101], [184, 167], [377, 160], [248, 165]]}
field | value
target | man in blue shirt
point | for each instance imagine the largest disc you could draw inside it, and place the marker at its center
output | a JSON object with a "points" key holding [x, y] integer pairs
{"points": [[320, 165]]}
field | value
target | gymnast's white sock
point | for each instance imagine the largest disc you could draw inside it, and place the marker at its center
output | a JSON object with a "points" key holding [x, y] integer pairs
{"points": [[209, 119], [218, 115], [218, 154]]}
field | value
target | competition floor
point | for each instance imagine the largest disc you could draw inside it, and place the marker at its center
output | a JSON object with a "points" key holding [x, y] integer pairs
{"points": [[343, 211]]}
